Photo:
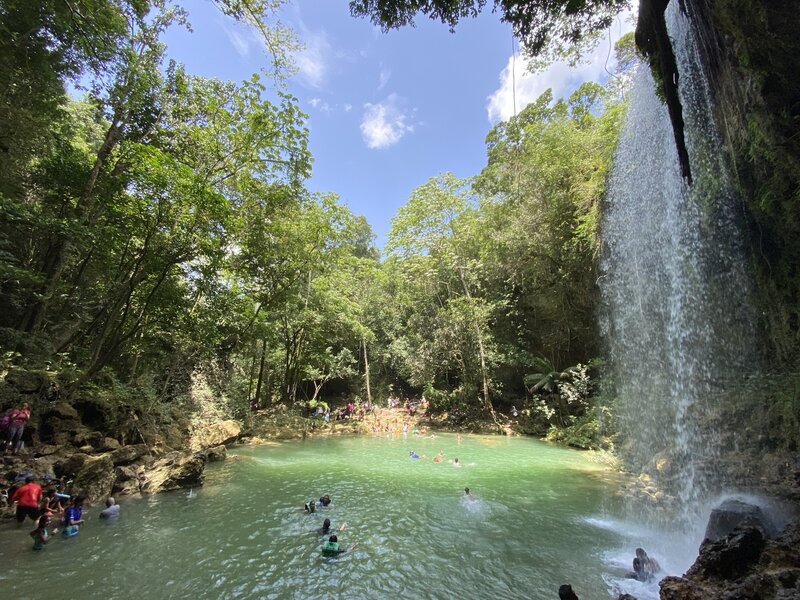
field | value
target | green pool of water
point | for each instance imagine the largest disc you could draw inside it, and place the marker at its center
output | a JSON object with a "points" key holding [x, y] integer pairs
{"points": [[245, 535]]}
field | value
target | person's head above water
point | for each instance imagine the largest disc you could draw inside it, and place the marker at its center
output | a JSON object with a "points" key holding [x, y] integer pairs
{"points": [[640, 553], [326, 524], [466, 491], [565, 592], [110, 501], [333, 539]]}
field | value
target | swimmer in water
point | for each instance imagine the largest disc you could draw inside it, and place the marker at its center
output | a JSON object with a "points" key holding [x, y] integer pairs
{"points": [[648, 567], [332, 548], [456, 463], [310, 506], [325, 500], [459, 438], [565, 593], [438, 458]]}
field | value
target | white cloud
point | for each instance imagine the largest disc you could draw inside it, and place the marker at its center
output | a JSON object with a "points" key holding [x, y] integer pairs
{"points": [[348, 107], [320, 105], [239, 42], [383, 78], [559, 76], [385, 123], [312, 60]]}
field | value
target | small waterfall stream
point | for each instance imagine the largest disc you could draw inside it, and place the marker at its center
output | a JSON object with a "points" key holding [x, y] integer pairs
{"points": [[678, 320]]}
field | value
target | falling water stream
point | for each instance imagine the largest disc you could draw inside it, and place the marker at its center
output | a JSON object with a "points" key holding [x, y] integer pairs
{"points": [[678, 321]]}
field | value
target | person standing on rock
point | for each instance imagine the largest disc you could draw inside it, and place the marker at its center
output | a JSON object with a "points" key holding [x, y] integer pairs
{"points": [[18, 418], [28, 498]]}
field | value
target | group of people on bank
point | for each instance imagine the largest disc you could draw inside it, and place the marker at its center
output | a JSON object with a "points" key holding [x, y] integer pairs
{"points": [[43, 508]]}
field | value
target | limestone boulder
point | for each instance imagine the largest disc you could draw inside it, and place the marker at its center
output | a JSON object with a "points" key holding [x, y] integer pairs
{"points": [[125, 480], [733, 513], [59, 424], [731, 556], [108, 445], [217, 453], [26, 382], [96, 478], [742, 566], [174, 471], [45, 450], [128, 454], [70, 466], [213, 434]]}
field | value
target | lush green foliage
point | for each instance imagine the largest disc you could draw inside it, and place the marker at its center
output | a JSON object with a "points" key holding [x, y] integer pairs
{"points": [[157, 241], [540, 24], [157, 229]]}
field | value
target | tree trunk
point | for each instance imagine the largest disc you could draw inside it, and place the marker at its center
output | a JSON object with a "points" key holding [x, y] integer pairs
{"points": [[481, 353], [261, 371], [366, 371]]}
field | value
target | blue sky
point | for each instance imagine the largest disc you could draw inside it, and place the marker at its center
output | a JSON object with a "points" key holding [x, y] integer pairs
{"points": [[386, 111]]}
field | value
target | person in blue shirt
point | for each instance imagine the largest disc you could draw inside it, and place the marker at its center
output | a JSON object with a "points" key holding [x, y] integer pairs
{"points": [[73, 517]]}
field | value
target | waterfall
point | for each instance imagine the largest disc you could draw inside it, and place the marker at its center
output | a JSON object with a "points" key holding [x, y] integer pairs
{"points": [[677, 321]]}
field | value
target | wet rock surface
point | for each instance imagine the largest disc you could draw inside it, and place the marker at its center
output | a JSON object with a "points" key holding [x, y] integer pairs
{"points": [[733, 513], [742, 566]]}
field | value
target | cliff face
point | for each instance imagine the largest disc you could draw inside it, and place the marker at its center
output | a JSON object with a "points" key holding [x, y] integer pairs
{"points": [[751, 53], [750, 50]]}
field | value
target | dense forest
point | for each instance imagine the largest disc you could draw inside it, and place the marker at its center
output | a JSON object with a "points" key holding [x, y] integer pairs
{"points": [[158, 243]]}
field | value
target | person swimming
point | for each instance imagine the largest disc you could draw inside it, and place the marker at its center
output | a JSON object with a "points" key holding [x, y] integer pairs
{"points": [[324, 500], [326, 527], [310, 506], [438, 458], [565, 592], [456, 463], [332, 548], [413, 454]]}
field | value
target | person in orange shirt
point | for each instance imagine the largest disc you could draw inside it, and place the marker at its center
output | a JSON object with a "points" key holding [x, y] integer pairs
{"points": [[28, 498]]}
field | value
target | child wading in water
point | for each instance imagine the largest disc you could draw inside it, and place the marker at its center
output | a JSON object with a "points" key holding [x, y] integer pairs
{"points": [[73, 517], [40, 535]]}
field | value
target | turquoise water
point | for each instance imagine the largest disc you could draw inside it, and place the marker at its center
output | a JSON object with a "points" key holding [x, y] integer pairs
{"points": [[536, 524]]}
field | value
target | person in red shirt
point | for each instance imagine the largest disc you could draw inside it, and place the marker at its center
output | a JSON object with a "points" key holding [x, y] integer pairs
{"points": [[28, 498], [19, 417]]}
